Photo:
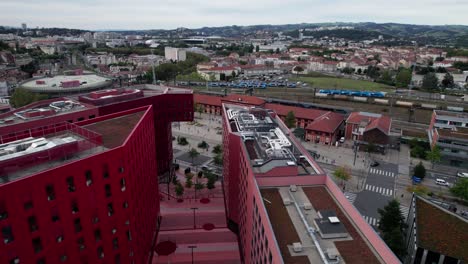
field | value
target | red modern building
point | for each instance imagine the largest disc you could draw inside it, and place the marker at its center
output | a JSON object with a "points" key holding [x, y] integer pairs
{"points": [[282, 205], [79, 176], [368, 128]]}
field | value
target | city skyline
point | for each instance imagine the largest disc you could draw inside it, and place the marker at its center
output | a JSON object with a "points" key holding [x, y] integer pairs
{"points": [[145, 14]]}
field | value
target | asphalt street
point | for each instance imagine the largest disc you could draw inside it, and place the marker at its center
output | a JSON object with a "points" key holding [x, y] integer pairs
{"points": [[377, 192]]}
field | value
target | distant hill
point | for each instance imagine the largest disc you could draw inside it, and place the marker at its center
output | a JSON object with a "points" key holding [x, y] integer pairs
{"points": [[452, 35]]}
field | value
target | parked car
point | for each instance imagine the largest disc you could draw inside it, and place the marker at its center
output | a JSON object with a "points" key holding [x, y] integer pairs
{"points": [[462, 174], [374, 164], [441, 182]]}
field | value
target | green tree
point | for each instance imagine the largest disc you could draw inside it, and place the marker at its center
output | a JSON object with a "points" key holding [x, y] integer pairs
{"points": [[218, 159], [257, 48], [403, 78], [188, 183], [217, 149], [23, 97], [198, 108], [392, 225], [434, 155], [290, 120], [343, 174], [348, 70], [182, 141], [448, 82], [299, 133], [199, 186], [386, 78], [419, 171], [460, 189], [179, 190], [430, 82], [373, 72], [203, 145], [298, 69], [193, 153]]}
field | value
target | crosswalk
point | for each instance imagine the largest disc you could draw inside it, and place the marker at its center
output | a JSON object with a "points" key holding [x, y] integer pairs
{"points": [[381, 190], [350, 196], [371, 220], [382, 172], [404, 211]]}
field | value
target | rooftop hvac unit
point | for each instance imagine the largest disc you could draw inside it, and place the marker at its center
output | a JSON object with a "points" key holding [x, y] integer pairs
{"points": [[307, 206], [286, 201], [297, 247], [332, 253], [293, 188]]}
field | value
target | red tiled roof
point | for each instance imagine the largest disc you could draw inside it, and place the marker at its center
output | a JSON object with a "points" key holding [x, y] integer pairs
{"points": [[328, 122], [299, 112], [207, 99], [245, 99], [383, 122]]}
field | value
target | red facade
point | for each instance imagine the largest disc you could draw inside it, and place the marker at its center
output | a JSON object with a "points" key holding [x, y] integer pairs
{"points": [[102, 207]]}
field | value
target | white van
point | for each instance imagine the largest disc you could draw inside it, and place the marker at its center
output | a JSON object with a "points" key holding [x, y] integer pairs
{"points": [[441, 182]]}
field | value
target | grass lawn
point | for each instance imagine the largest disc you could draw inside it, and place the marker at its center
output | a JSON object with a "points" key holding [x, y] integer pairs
{"points": [[342, 83]]}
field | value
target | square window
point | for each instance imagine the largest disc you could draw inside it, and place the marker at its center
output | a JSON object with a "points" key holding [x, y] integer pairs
{"points": [[28, 205], [37, 245]]}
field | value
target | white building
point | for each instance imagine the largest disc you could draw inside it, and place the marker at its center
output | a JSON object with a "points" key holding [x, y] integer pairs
{"points": [[175, 54]]}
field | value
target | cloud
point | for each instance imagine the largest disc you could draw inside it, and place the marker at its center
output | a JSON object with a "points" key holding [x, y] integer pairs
{"points": [[168, 14]]}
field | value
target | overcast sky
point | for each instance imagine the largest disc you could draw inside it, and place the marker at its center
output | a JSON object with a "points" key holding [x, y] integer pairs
{"points": [[169, 14]]}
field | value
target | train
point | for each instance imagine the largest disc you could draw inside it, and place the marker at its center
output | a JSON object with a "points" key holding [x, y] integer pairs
{"points": [[353, 93]]}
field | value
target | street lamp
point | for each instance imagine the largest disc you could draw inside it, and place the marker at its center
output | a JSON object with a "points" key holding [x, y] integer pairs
{"points": [[194, 219], [192, 247]]}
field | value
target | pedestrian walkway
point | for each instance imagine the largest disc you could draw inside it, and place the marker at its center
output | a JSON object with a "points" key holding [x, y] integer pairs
{"points": [[371, 220], [382, 172], [377, 189], [404, 211], [350, 196]]}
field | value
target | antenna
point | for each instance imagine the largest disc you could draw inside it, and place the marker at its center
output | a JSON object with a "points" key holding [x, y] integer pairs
{"points": [[152, 67]]}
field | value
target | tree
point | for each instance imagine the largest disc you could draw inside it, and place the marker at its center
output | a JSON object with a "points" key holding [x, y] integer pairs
{"points": [[298, 69], [179, 190], [218, 159], [198, 108], [343, 174], [392, 225], [233, 74], [290, 120], [199, 186], [386, 78], [348, 70], [403, 78], [217, 149], [193, 153], [373, 72], [277, 51], [359, 71], [257, 48], [23, 97], [182, 141], [448, 82], [203, 145], [419, 171], [299, 133], [430, 82], [434, 155], [460, 189], [188, 182]]}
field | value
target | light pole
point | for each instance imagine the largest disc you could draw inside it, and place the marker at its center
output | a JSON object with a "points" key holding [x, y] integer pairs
{"points": [[192, 247], [194, 219]]}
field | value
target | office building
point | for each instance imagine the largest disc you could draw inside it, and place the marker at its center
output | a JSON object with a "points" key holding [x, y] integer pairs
{"points": [[282, 205], [79, 175], [449, 131]]}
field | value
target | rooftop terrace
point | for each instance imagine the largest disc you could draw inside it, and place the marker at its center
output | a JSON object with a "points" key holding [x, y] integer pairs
{"points": [[457, 133], [310, 216], [267, 141], [461, 115], [42, 110]]}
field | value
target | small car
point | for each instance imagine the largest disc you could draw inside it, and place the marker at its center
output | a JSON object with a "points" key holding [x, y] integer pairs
{"points": [[441, 182], [374, 164], [462, 174]]}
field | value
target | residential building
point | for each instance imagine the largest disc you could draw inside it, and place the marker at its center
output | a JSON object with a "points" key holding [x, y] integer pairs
{"points": [[282, 205], [435, 234], [175, 54], [449, 131], [218, 73], [86, 191]]}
